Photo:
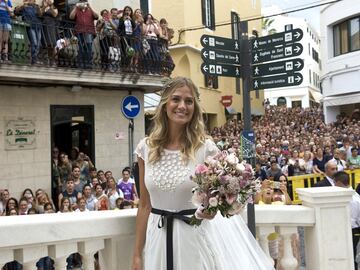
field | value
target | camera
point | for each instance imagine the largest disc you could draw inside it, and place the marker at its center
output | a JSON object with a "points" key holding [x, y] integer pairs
{"points": [[276, 185]]}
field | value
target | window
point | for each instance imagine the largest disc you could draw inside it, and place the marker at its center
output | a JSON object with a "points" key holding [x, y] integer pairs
{"points": [[208, 13], [310, 75], [347, 36], [211, 82]]}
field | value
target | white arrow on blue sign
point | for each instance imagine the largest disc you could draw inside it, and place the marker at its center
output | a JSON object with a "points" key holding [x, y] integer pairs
{"points": [[130, 107]]}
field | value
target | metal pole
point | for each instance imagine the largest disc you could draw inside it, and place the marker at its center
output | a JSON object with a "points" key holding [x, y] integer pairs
{"points": [[131, 141], [246, 80]]}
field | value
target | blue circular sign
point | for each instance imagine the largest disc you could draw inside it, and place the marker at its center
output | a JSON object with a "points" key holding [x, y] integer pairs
{"points": [[130, 107]]}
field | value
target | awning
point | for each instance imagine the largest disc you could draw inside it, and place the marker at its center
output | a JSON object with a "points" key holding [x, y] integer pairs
{"points": [[316, 95], [151, 101], [231, 110], [341, 100]]}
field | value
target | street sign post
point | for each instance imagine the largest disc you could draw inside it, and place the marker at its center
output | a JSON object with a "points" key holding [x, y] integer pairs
{"points": [[220, 70], [268, 42], [219, 43], [130, 107], [225, 57], [277, 53], [287, 66], [277, 81]]}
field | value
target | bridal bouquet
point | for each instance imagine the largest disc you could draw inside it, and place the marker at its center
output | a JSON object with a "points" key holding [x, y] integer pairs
{"points": [[224, 184]]}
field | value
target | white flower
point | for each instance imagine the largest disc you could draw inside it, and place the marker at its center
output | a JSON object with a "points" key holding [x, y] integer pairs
{"points": [[240, 167], [231, 159], [213, 201]]}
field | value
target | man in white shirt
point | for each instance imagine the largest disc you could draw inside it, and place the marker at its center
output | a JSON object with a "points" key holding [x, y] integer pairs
{"points": [[342, 179]]}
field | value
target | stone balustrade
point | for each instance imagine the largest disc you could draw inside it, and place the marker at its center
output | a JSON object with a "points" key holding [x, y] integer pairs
{"points": [[324, 215]]}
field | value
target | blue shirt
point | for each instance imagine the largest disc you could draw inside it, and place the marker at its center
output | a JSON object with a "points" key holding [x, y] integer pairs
{"points": [[4, 14]]}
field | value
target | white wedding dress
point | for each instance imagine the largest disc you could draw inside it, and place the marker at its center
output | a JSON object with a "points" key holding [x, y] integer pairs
{"points": [[218, 244]]}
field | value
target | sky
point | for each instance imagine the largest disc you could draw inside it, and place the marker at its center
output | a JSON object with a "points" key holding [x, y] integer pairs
{"points": [[311, 15]]}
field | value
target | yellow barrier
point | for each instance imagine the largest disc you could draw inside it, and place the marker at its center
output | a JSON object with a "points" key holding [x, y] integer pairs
{"points": [[309, 180]]}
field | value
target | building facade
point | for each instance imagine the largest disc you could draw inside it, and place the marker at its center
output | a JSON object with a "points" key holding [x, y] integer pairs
{"points": [[185, 15], [340, 24], [308, 92]]}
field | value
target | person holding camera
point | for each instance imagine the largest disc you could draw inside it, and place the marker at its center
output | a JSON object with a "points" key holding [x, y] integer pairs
{"points": [[126, 32], [151, 32], [84, 17], [31, 13]]}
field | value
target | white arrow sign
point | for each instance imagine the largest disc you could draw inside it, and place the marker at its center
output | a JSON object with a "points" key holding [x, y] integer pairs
{"points": [[297, 34], [130, 106], [205, 40], [298, 64], [297, 49], [205, 68], [205, 54], [298, 79]]}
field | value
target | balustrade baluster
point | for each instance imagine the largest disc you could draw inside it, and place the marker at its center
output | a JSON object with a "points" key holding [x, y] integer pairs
{"points": [[28, 256], [87, 249], [60, 252], [288, 261], [263, 233]]}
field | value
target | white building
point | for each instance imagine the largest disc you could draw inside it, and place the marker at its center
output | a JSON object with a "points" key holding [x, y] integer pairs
{"points": [[340, 23], [308, 92]]}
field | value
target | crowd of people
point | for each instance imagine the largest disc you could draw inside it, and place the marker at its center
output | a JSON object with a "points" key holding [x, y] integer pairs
{"points": [[78, 187], [117, 38]]}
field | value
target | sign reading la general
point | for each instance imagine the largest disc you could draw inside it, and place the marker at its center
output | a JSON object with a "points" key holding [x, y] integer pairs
{"points": [[20, 133]]}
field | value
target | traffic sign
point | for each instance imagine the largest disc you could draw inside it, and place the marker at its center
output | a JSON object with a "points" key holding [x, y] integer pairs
{"points": [[220, 43], [210, 55], [287, 66], [282, 38], [277, 81], [277, 53], [220, 70], [130, 107]]}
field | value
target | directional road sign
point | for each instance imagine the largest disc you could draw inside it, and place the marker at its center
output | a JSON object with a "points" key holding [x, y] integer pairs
{"points": [[277, 53], [220, 70], [220, 43], [287, 66], [282, 38], [277, 81], [130, 107], [210, 55]]}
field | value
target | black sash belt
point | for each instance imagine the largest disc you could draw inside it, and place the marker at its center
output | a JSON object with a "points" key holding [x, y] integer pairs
{"points": [[169, 217]]}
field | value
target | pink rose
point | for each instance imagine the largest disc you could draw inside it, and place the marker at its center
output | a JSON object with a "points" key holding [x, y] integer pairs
{"points": [[201, 169], [198, 198], [230, 198]]}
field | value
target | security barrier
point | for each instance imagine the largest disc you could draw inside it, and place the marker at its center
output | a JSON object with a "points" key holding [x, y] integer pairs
{"points": [[309, 180]]}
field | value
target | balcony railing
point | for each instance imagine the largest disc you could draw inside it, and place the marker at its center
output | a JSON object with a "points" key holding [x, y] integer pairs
{"points": [[61, 47], [324, 216]]}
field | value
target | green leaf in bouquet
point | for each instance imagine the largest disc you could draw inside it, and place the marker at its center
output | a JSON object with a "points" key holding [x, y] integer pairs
{"points": [[194, 221]]}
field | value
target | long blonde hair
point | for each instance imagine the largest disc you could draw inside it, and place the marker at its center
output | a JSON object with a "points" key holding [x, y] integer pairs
{"points": [[194, 132]]}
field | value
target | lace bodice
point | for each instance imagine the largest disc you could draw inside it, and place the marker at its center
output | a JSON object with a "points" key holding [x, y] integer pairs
{"points": [[168, 180]]}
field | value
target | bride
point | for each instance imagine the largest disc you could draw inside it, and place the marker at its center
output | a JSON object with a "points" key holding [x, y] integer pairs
{"points": [[167, 158]]}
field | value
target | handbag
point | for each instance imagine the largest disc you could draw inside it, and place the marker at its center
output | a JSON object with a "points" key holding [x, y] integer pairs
{"points": [[129, 50], [145, 45]]}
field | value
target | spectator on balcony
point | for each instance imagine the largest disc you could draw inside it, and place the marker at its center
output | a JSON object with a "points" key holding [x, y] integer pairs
{"points": [[30, 13], [113, 193], [102, 201], [74, 154], [151, 33], [64, 169], [284, 187], [342, 179], [89, 198], [23, 206], [273, 170], [137, 38], [32, 211], [65, 205], [104, 28], [259, 172], [164, 40], [49, 13], [4, 197], [12, 212], [5, 28], [108, 175], [70, 193], [84, 17], [308, 163], [29, 195], [126, 32], [41, 200], [92, 173], [319, 162], [330, 170], [75, 175], [102, 179], [354, 159], [297, 163]]}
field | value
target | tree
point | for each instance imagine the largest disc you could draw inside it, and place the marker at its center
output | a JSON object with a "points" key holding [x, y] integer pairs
{"points": [[266, 26]]}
